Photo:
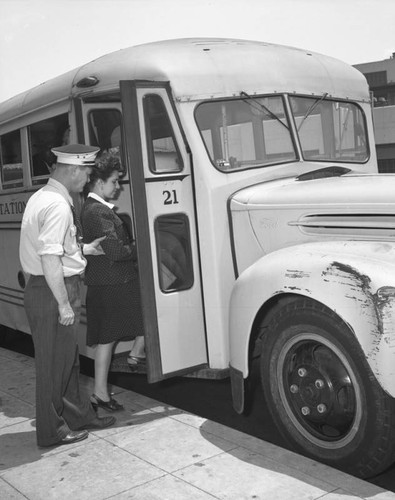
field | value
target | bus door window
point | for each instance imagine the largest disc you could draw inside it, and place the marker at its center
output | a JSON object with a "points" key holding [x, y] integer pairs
{"points": [[105, 129], [103, 126], [163, 152], [43, 136], [11, 160], [173, 245]]}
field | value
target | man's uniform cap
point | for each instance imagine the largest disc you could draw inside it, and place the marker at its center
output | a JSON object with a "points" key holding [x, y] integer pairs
{"points": [[76, 154]]}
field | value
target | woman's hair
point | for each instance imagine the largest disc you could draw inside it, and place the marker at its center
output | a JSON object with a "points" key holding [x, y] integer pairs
{"points": [[106, 164]]}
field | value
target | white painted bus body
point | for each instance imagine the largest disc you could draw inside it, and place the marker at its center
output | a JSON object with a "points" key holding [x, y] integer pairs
{"points": [[198, 71], [328, 239], [263, 229]]}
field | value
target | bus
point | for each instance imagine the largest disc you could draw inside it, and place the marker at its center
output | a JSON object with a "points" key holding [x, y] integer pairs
{"points": [[264, 232]]}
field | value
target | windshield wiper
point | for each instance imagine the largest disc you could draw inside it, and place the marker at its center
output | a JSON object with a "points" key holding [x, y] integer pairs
{"points": [[311, 109], [262, 107]]}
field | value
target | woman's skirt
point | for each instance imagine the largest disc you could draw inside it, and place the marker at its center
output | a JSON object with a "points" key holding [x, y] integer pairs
{"points": [[113, 313]]}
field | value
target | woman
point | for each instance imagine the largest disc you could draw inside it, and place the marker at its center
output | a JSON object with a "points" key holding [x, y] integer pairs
{"points": [[113, 295]]}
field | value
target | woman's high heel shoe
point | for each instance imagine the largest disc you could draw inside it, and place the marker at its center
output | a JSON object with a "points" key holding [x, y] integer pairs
{"points": [[136, 360], [111, 405]]}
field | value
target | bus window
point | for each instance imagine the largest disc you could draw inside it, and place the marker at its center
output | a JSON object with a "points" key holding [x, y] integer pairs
{"points": [[330, 130], [246, 133], [174, 252], [105, 129], [162, 150], [45, 135], [11, 160]]}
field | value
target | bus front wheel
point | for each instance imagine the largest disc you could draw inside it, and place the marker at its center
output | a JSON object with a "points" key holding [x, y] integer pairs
{"points": [[322, 393]]}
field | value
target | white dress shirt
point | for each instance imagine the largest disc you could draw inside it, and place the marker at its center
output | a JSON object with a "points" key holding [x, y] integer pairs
{"points": [[48, 229]]}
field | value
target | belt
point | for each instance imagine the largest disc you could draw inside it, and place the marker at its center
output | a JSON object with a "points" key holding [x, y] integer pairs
{"points": [[41, 277]]}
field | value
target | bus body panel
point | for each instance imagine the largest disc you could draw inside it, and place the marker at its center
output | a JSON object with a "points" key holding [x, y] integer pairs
{"points": [[12, 278], [288, 211], [331, 239], [201, 69], [354, 279]]}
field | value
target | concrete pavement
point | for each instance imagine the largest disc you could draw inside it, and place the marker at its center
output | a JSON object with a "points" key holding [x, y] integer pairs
{"points": [[155, 452]]}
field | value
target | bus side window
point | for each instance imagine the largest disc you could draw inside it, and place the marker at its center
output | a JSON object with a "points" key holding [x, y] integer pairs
{"points": [[11, 160], [162, 147], [174, 252], [105, 129], [45, 135]]}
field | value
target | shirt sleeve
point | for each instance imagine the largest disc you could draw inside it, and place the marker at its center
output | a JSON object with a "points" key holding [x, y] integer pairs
{"points": [[55, 221]]}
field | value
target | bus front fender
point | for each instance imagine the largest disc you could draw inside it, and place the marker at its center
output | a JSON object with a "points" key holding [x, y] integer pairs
{"points": [[354, 279]]}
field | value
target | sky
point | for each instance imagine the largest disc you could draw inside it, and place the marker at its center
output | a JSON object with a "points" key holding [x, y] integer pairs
{"points": [[40, 39]]}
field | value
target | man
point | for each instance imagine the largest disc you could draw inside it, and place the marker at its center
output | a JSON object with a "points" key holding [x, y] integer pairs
{"points": [[50, 251]]}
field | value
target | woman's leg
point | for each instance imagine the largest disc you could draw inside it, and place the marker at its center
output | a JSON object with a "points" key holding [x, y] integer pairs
{"points": [[138, 348], [103, 356]]}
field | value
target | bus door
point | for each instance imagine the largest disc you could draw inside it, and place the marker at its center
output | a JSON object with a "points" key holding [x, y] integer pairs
{"points": [[165, 223]]}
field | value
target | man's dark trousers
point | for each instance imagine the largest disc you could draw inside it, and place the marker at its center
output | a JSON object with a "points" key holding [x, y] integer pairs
{"points": [[59, 406]]}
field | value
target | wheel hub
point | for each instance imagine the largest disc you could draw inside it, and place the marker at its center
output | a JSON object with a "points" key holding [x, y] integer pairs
{"points": [[311, 390], [318, 389]]}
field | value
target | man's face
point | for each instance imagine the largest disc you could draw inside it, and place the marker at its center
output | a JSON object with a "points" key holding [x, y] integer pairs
{"points": [[80, 178]]}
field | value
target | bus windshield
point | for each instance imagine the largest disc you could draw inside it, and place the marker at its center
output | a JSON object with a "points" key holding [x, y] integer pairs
{"points": [[254, 131], [330, 130], [246, 133]]}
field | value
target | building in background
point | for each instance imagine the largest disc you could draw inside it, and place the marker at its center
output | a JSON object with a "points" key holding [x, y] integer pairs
{"points": [[380, 76]]}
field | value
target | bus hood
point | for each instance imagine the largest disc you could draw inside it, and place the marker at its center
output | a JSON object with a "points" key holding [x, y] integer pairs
{"points": [[285, 212]]}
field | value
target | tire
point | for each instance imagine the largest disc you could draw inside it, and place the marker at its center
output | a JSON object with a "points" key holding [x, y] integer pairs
{"points": [[322, 393]]}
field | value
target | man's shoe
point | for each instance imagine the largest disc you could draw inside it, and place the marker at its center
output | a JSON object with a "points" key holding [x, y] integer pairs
{"points": [[99, 423], [74, 436]]}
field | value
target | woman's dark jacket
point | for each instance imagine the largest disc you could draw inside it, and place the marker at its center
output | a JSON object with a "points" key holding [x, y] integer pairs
{"points": [[117, 265]]}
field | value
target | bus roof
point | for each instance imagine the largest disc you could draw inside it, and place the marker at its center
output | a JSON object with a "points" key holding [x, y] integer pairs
{"points": [[202, 68]]}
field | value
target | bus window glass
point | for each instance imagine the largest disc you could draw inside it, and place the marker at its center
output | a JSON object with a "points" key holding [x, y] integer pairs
{"points": [[45, 135], [330, 130], [246, 133], [105, 129], [162, 147], [11, 160], [174, 252]]}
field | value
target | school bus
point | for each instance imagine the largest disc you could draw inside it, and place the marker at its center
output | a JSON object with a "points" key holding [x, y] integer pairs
{"points": [[264, 232]]}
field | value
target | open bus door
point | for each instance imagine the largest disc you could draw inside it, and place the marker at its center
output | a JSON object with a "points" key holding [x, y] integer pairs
{"points": [[165, 223]]}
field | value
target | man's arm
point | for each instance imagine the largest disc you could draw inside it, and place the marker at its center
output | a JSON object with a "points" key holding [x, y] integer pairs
{"points": [[53, 272]]}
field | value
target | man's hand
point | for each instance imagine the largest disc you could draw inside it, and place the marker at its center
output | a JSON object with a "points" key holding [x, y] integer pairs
{"points": [[53, 272], [94, 247], [66, 315]]}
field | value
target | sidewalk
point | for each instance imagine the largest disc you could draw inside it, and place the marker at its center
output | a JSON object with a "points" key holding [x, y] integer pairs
{"points": [[155, 452]]}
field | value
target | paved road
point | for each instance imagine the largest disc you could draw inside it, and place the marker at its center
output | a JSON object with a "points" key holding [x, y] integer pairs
{"points": [[212, 400], [207, 398]]}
